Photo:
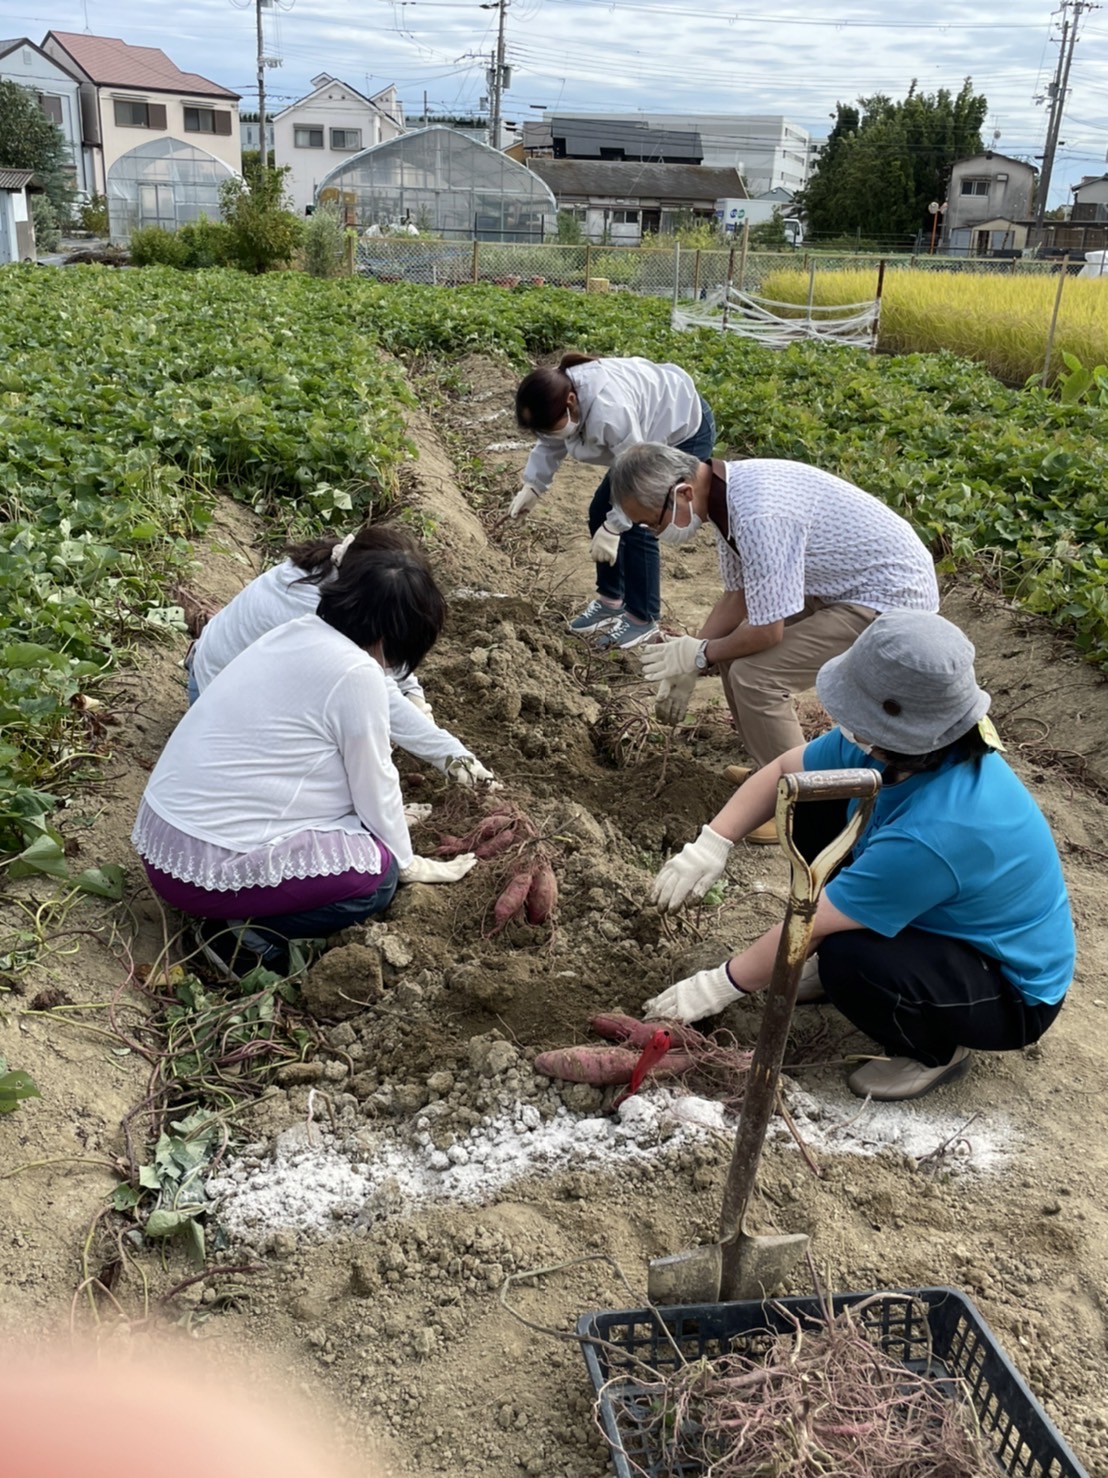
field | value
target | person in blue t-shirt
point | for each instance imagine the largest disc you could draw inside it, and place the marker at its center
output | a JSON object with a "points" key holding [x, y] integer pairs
{"points": [[948, 927]]}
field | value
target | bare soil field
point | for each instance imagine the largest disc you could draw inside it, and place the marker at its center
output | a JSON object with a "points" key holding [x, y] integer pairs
{"points": [[376, 1195]]}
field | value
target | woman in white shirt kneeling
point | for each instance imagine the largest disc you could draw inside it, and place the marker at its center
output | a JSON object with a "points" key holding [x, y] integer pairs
{"points": [[274, 812]]}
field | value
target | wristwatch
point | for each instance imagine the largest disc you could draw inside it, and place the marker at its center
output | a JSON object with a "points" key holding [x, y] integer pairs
{"points": [[702, 663]]}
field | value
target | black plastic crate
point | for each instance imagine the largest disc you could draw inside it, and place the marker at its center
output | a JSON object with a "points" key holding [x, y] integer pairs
{"points": [[904, 1323]]}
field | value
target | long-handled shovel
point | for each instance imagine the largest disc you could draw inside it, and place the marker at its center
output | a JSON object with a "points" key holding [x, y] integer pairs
{"points": [[741, 1265]]}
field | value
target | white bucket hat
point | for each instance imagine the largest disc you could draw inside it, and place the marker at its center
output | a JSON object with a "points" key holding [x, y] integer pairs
{"points": [[907, 684]]}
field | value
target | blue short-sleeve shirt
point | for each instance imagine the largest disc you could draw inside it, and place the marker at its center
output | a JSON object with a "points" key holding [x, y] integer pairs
{"points": [[962, 851]]}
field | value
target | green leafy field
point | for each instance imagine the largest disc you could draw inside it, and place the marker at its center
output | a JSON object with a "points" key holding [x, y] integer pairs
{"points": [[127, 398]]}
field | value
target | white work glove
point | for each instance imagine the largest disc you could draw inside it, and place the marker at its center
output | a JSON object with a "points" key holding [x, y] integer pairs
{"points": [[417, 700], [692, 872], [675, 657], [437, 869], [467, 771], [523, 501], [416, 811], [702, 994], [671, 701], [604, 549]]}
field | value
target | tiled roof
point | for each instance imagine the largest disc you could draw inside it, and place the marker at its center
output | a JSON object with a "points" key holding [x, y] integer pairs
{"points": [[113, 63], [631, 181], [15, 179]]}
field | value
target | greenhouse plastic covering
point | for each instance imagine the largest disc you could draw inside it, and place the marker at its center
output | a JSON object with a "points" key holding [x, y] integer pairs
{"points": [[442, 182], [165, 182]]}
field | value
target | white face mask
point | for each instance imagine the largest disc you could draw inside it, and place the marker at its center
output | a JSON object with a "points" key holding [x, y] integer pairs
{"points": [[562, 432], [675, 533], [850, 739]]}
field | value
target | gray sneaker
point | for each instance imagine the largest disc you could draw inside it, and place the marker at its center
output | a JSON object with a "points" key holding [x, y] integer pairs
{"points": [[595, 617], [626, 633], [894, 1079]]}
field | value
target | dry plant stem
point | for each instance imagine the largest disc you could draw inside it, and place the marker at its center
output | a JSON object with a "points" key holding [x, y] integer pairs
{"points": [[213, 1272]]}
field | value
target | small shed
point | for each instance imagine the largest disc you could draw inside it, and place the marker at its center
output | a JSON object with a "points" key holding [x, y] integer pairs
{"points": [[17, 230]]}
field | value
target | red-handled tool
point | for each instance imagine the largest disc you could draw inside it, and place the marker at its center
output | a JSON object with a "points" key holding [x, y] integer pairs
{"points": [[649, 1057]]}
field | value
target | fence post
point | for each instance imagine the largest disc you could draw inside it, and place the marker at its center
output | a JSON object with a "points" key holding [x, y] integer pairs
{"points": [[696, 277], [1054, 318], [730, 279], [351, 247], [588, 263], [474, 270], [742, 255]]}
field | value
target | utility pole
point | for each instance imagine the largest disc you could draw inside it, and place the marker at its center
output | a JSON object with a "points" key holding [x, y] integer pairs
{"points": [[1058, 89], [262, 144], [500, 76]]}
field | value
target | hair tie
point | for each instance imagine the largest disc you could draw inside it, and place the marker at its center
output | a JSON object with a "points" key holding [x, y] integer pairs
{"points": [[340, 549]]}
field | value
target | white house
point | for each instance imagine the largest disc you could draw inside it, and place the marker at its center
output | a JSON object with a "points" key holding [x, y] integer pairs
{"points": [[312, 136], [57, 91], [989, 201], [249, 126], [1090, 199], [159, 141]]}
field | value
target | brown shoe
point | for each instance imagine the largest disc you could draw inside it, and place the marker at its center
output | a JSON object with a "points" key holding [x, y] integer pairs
{"points": [[893, 1079], [810, 990], [737, 773], [764, 835]]}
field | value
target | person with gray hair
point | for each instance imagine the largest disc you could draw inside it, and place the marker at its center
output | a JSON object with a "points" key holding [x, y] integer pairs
{"points": [[948, 927], [807, 561]]}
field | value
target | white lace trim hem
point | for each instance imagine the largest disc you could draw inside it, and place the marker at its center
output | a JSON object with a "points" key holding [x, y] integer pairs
{"points": [[307, 854]]}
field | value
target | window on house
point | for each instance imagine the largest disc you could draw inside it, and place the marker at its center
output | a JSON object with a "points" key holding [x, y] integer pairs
{"points": [[52, 107], [307, 138], [975, 187], [625, 218], [207, 120], [346, 138], [132, 113]]}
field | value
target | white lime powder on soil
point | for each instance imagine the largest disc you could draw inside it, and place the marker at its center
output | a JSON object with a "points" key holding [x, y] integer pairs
{"points": [[313, 1181]]}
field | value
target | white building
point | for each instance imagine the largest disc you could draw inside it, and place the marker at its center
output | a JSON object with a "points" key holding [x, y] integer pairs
{"points": [[158, 141], [768, 150], [248, 133], [312, 136], [58, 93]]}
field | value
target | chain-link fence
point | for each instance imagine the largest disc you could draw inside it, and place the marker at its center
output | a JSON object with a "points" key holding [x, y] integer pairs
{"points": [[649, 271]]}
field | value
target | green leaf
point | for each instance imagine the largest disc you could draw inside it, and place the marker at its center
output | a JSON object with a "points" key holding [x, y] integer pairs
{"points": [[45, 854], [102, 882], [14, 1087], [163, 1223], [149, 1178], [124, 1197]]}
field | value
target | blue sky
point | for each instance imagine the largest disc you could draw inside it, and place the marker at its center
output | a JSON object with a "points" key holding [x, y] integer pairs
{"points": [[714, 56]]}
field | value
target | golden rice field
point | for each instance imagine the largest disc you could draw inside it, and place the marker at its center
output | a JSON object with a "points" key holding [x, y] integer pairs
{"points": [[1002, 322]]}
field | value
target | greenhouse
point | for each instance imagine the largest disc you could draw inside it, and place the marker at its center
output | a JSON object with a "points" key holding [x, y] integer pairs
{"points": [[439, 181], [165, 182]]}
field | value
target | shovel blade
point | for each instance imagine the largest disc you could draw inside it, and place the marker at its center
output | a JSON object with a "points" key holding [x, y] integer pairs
{"points": [[757, 1266], [691, 1277]]}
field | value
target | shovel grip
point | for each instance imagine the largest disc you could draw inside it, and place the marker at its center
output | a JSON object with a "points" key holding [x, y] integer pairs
{"points": [[831, 785]]}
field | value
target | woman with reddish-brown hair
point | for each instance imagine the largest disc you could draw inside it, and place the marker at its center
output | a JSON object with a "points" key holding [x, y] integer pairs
{"points": [[592, 409]]}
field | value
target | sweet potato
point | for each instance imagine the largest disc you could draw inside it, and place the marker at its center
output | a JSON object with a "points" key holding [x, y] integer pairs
{"points": [[492, 846], [542, 896], [489, 826], [601, 1066], [512, 899], [449, 847], [619, 1028]]}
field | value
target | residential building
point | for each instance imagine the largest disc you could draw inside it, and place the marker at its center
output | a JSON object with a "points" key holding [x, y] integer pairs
{"points": [[17, 230], [988, 205], [58, 93], [249, 124], [159, 141], [613, 139], [1090, 199], [621, 202], [333, 122], [767, 149]]}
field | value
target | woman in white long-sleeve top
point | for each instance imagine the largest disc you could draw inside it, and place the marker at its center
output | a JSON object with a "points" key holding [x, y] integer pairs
{"points": [[593, 409], [293, 588], [274, 812]]}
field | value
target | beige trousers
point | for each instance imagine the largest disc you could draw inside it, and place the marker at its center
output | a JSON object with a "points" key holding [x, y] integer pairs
{"points": [[760, 688]]}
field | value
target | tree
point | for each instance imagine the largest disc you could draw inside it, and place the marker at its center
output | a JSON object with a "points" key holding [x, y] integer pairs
{"points": [[30, 140], [885, 161], [264, 232]]}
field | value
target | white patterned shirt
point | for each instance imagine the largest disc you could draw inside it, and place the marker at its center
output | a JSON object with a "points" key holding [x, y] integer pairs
{"points": [[803, 532]]}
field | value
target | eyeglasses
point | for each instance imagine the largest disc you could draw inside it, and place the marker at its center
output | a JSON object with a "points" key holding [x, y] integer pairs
{"points": [[659, 522]]}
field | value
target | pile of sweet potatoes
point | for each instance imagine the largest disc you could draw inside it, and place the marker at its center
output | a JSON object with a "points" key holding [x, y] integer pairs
{"points": [[527, 886]]}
